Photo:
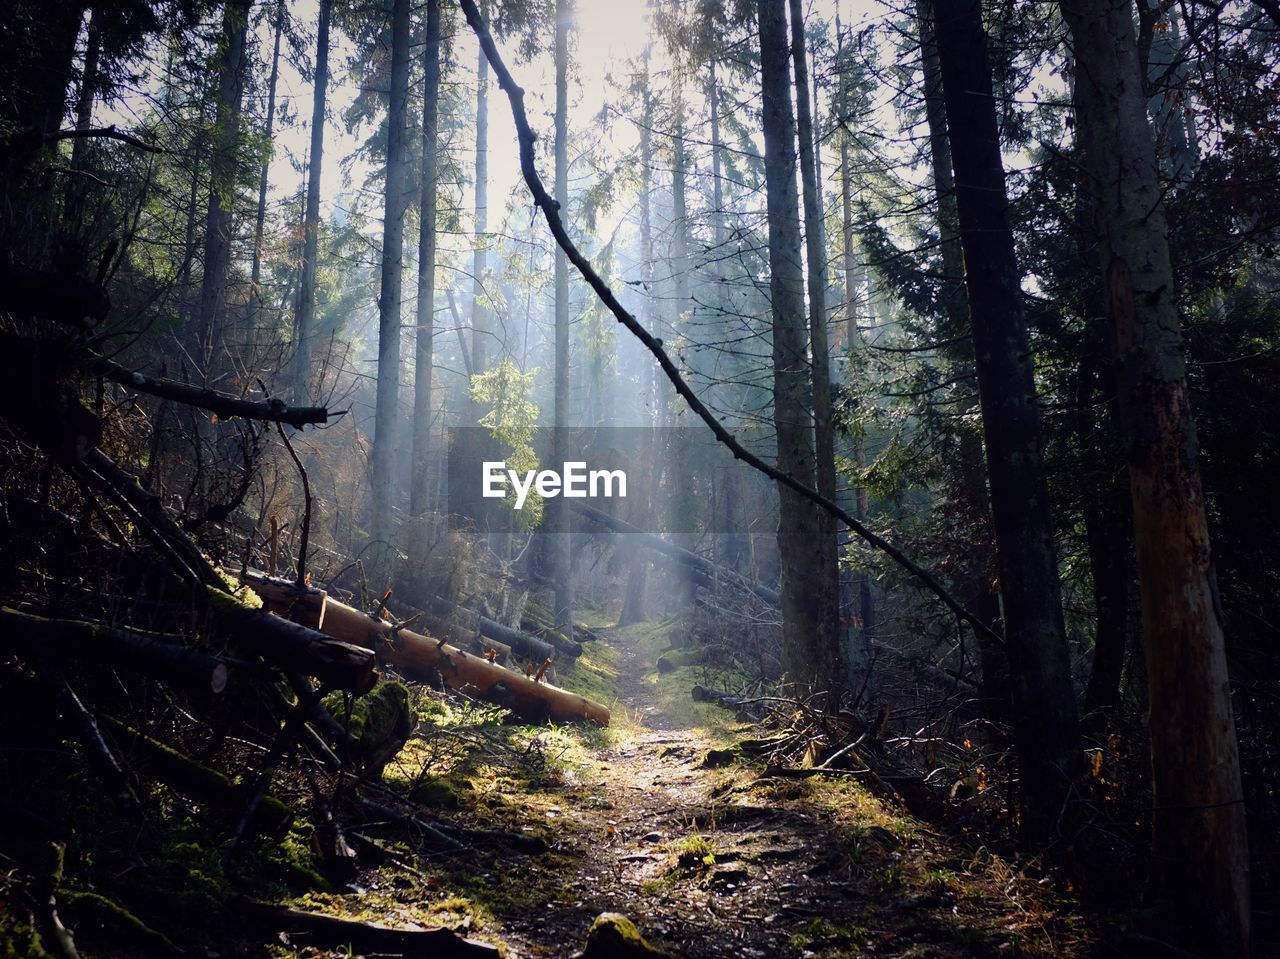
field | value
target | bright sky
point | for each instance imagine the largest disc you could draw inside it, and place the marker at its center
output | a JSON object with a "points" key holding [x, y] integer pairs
{"points": [[607, 33]]}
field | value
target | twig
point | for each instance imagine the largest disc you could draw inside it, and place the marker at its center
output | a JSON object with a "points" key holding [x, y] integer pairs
{"points": [[306, 510]]}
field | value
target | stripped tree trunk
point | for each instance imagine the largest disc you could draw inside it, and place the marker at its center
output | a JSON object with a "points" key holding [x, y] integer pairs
{"points": [[1199, 821]]}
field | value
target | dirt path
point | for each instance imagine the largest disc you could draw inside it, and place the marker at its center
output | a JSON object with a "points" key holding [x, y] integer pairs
{"points": [[720, 862]]}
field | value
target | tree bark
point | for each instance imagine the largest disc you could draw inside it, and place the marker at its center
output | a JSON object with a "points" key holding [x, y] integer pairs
{"points": [[827, 592], [809, 654], [561, 558], [968, 485], [222, 174], [480, 251], [387, 413], [1046, 727], [265, 169], [853, 342], [311, 220], [419, 487], [1200, 837]]}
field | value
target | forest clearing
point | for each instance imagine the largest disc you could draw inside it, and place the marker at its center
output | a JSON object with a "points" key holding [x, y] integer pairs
{"points": [[688, 478]]}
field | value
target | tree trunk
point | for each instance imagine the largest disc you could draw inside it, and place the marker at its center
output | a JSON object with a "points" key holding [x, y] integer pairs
{"points": [[1046, 728], [561, 558], [968, 488], [311, 222], [480, 251], [419, 487], [1199, 821], [638, 575], [809, 652], [827, 593], [853, 340], [222, 185], [265, 169], [387, 413]]}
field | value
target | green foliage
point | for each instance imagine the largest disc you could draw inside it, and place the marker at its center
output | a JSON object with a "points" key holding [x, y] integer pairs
{"points": [[510, 418]]}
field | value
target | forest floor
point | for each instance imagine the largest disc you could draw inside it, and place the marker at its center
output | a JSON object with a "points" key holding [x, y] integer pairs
{"points": [[656, 818]]}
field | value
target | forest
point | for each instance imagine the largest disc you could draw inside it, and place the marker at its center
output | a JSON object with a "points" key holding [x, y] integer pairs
{"points": [[639, 478]]}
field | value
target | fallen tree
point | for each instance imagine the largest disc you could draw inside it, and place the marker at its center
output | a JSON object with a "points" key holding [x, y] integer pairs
{"points": [[704, 570], [422, 655]]}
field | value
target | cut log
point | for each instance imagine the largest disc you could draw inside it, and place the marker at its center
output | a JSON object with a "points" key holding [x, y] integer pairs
{"points": [[421, 655], [294, 647], [704, 571], [152, 654], [366, 936]]}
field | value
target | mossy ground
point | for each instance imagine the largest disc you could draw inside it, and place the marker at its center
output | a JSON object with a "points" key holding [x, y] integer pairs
{"points": [[708, 860]]}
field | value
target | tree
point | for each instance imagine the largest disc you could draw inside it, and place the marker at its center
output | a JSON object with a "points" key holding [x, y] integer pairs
{"points": [[419, 500], [311, 218], [1199, 822], [222, 173], [810, 653], [1045, 719], [480, 251], [561, 558], [265, 167], [387, 413], [826, 592]]}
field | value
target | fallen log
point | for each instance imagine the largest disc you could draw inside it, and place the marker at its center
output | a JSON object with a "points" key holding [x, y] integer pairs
{"points": [[152, 654], [193, 779], [704, 570], [294, 647], [419, 654], [460, 618], [366, 936]]}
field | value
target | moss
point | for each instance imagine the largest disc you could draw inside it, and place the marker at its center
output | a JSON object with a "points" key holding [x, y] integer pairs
{"points": [[614, 936], [96, 917], [19, 939], [379, 723], [436, 792]]}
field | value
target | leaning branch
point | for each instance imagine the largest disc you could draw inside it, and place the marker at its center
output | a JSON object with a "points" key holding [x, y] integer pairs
{"points": [[105, 133], [551, 211], [222, 404]]}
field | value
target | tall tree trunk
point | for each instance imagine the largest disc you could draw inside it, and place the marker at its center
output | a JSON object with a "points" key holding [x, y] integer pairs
{"points": [[419, 487], [74, 202], [311, 220], [826, 592], [222, 185], [1046, 727], [1199, 820], [969, 485], [561, 557], [809, 651], [265, 169], [480, 251], [637, 578], [853, 341], [387, 413]]}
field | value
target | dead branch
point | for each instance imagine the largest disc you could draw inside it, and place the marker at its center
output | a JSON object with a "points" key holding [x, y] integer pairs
{"points": [[224, 405]]}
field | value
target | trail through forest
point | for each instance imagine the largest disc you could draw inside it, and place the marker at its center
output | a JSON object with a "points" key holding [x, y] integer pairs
{"points": [[660, 821]]}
